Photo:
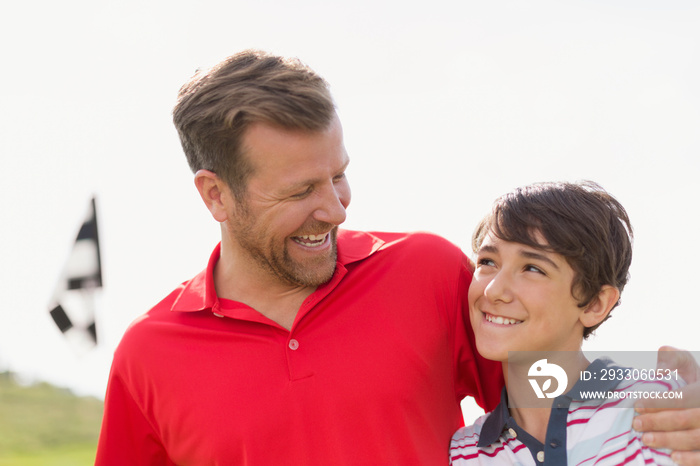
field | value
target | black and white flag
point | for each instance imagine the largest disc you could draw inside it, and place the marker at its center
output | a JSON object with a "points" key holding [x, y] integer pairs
{"points": [[73, 303]]}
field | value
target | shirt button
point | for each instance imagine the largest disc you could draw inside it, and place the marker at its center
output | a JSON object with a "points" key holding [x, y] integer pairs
{"points": [[540, 457], [512, 432], [217, 315], [293, 344]]}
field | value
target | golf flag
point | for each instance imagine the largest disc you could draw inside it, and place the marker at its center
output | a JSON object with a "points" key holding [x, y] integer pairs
{"points": [[72, 305]]}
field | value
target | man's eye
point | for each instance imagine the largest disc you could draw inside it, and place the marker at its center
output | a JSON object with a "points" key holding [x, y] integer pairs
{"points": [[302, 194], [339, 177]]}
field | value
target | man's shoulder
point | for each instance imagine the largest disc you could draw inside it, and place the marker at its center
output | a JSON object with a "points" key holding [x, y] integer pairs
{"points": [[416, 240], [415, 252], [161, 314]]}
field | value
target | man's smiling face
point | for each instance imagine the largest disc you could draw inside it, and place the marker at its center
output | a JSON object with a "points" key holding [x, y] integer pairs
{"points": [[295, 199]]}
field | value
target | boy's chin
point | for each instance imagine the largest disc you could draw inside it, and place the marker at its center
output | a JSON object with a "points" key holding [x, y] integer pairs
{"points": [[492, 354]]}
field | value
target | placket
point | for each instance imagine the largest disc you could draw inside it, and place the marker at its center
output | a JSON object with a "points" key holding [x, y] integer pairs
{"points": [[297, 354]]}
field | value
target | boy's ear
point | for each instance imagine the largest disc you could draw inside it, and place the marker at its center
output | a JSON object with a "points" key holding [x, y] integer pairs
{"points": [[214, 192], [600, 306]]}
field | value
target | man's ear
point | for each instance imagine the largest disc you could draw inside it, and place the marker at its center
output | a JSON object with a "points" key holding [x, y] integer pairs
{"points": [[600, 306], [215, 193]]}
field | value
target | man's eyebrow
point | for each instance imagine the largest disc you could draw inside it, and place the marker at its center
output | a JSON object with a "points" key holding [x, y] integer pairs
{"points": [[539, 256], [291, 189], [313, 181], [345, 164]]}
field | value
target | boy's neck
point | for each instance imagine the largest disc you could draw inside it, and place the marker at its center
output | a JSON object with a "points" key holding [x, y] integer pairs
{"points": [[534, 420]]}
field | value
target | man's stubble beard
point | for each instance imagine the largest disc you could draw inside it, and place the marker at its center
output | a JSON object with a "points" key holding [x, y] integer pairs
{"points": [[276, 260]]}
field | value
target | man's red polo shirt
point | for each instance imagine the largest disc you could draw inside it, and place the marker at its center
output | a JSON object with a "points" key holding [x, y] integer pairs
{"points": [[372, 371]]}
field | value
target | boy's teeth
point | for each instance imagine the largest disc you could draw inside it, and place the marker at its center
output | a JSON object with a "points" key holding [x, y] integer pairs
{"points": [[500, 320]]}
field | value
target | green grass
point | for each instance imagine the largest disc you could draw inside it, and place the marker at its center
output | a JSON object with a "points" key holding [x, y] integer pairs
{"points": [[60, 456], [45, 425]]}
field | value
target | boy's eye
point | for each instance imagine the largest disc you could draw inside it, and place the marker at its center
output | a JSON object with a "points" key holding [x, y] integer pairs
{"points": [[533, 268], [485, 261]]}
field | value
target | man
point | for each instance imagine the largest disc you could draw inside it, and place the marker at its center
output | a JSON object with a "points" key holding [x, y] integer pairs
{"points": [[300, 343]]}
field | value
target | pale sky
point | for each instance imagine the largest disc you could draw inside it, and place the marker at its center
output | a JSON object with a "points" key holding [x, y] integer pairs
{"points": [[445, 106]]}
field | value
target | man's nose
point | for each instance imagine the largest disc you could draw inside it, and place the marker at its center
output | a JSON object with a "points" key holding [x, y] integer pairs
{"points": [[334, 201]]}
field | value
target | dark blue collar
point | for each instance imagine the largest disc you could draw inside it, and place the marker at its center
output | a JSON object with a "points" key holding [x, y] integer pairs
{"points": [[500, 419], [496, 423]]}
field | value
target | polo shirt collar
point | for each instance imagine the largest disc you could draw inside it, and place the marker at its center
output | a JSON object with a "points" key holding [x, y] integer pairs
{"points": [[498, 419], [597, 384], [200, 294], [495, 423]]}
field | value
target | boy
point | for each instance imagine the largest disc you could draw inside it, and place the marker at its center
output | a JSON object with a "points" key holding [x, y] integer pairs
{"points": [[552, 260]]}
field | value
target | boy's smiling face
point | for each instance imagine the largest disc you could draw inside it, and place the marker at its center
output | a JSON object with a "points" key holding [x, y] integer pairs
{"points": [[520, 299]]}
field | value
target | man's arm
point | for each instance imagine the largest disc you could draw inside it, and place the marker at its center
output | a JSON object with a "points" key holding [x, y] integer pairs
{"points": [[126, 436], [674, 423]]}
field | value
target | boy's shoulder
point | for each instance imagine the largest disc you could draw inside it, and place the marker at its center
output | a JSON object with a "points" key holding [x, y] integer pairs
{"points": [[464, 443], [469, 434], [604, 425], [486, 442]]}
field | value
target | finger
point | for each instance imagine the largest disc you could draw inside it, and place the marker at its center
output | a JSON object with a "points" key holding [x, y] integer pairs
{"points": [[673, 421], [686, 458], [687, 440], [672, 358], [687, 398]]}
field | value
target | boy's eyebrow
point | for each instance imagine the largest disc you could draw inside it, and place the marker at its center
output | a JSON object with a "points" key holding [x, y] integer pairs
{"points": [[488, 248], [538, 256]]}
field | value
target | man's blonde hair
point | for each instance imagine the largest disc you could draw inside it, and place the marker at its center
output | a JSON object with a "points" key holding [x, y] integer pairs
{"points": [[216, 106]]}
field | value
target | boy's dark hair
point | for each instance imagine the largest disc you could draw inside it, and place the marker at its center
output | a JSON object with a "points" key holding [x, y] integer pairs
{"points": [[580, 221]]}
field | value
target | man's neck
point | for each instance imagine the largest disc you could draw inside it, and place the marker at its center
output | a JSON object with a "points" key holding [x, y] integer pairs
{"points": [[238, 278]]}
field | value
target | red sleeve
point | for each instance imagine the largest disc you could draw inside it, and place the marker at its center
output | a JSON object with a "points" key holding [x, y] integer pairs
{"points": [[126, 436], [475, 376]]}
